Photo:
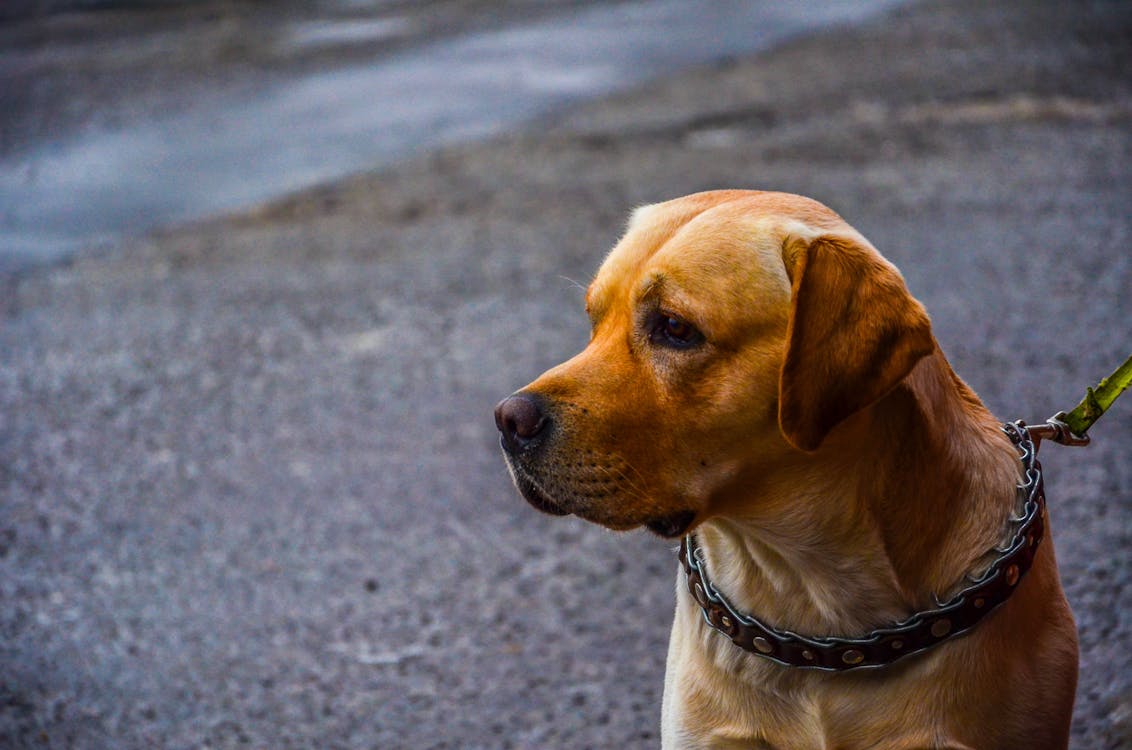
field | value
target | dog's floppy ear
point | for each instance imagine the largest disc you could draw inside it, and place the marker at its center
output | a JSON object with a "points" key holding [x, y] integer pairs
{"points": [[854, 333]]}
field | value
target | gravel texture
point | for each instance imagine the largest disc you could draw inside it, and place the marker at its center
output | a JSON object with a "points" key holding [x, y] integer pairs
{"points": [[250, 493]]}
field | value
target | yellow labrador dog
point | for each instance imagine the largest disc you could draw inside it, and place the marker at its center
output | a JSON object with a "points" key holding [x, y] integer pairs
{"points": [[760, 382]]}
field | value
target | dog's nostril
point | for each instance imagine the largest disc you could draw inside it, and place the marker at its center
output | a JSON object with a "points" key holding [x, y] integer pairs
{"points": [[519, 417]]}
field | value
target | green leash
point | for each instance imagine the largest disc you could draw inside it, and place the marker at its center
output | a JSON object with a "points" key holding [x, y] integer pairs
{"points": [[1070, 429], [1097, 400]]}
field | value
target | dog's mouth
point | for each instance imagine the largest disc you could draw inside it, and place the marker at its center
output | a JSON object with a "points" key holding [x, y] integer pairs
{"points": [[672, 526], [532, 493], [669, 526]]}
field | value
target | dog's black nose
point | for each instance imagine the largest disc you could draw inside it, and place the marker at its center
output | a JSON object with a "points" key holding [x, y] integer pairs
{"points": [[520, 418]]}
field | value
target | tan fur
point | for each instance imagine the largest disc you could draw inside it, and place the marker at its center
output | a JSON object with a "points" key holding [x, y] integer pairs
{"points": [[840, 474]]}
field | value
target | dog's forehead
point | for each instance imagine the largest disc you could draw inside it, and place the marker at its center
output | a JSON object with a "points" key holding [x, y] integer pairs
{"points": [[709, 242]]}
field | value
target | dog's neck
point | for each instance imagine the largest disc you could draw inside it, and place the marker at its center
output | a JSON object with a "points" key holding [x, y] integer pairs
{"points": [[893, 509]]}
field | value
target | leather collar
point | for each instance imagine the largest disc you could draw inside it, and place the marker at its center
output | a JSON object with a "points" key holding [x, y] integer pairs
{"points": [[922, 630]]}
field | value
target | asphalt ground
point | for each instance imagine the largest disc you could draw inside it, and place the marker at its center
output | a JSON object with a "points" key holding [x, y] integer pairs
{"points": [[251, 492]]}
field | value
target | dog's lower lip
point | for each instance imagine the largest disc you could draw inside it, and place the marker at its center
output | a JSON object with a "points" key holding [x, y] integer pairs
{"points": [[672, 526], [533, 495]]}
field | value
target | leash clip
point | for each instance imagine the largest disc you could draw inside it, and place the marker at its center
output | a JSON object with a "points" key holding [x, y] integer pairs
{"points": [[1057, 430]]}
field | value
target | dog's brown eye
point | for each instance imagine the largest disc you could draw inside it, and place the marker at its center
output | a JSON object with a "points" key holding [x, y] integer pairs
{"points": [[670, 330], [675, 328]]}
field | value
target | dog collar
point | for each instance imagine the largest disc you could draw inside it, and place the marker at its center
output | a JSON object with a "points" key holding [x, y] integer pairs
{"points": [[917, 633]]}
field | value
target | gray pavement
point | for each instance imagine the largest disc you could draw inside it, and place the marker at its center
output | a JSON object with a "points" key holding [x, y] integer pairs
{"points": [[251, 494]]}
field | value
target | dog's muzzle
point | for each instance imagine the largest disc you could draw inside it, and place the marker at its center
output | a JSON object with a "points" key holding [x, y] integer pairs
{"points": [[535, 458]]}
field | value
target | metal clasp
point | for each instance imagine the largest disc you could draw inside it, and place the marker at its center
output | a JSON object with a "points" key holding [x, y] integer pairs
{"points": [[1056, 430]]}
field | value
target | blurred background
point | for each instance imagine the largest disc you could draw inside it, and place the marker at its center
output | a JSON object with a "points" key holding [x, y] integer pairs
{"points": [[266, 267], [135, 115]]}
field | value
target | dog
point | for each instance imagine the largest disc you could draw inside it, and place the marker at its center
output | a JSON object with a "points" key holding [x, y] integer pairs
{"points": [[760, 380]]}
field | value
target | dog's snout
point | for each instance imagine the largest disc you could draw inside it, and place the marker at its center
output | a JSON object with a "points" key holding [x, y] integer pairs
{"points": [[520, 418]]}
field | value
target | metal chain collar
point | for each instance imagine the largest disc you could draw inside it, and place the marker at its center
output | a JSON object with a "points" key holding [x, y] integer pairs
{"points": [[916, 633]]}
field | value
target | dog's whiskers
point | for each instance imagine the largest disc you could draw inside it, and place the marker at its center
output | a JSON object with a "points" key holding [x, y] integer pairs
{"points": [[577, 285]]}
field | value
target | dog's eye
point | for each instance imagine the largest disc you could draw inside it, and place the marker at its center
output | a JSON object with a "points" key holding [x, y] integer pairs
{"points": [[670, 330]]}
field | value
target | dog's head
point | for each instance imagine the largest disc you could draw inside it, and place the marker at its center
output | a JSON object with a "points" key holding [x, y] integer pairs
{"points": [[731, 332]]}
